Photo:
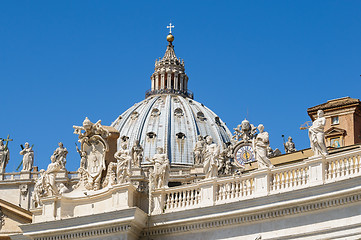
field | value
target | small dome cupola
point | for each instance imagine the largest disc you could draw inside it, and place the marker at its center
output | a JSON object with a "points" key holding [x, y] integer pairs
{"points": [[169, 76]]}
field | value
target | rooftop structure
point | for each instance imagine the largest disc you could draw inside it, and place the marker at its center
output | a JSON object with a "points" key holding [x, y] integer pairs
{"points": [[169, 117]]}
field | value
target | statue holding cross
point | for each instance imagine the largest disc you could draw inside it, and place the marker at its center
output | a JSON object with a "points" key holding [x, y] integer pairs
{"points": [[4, 153]]}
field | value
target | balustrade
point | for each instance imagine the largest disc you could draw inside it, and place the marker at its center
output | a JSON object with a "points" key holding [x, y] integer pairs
{"points": [[234, 188], [310, 172], [342, 166], [289, 177], [182, 198]]}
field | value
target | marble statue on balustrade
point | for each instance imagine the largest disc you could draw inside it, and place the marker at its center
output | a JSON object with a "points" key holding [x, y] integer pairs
{"points": [[225, 164], [45, 186], [273, 153], [198, 150], [93, 148], [244, 131], [290, 146], [60, 155], [39, 190], [124, 160], [261, 143], [28, 157], [211, 158], [137, 153], [317, 135], [159, 175], [4, 156]]}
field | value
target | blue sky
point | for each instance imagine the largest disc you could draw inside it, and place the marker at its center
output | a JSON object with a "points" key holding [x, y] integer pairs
{"points": [[61, 61]]}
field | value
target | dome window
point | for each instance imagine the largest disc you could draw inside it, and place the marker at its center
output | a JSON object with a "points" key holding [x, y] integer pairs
{"points": [[200, 116], [218, 122], [180, 135], [124, 138], [155, 112], [151, 135], [134, 115], [178, 112]]}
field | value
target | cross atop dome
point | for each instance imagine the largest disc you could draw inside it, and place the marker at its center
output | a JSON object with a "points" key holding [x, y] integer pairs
{"points": [[170, 27]]}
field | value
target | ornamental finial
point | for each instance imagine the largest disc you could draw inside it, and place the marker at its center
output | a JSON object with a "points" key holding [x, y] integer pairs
{"points": [[170, 37]]}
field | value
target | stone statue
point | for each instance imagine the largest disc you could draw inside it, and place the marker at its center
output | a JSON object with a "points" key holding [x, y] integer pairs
{"points": [[38, 189], [45, 185], [60, 155], [290, 146], [49, 178], [199, 150], [211, 158], [317, 135], [4, 156], [137, 153], [159, 176], [273, 153], [110, 178], [123, 163], [93, 148], [261, 143], [28, 157], [224, 164]]}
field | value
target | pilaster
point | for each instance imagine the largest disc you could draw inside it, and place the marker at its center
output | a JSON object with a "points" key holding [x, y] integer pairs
{"points": [[316, 170], [262, 182], [208, 192]]}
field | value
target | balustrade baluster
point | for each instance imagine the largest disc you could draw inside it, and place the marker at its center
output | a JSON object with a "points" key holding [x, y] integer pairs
{"points": [[176, 200], [357, 164], [338, 169], [188, 198], [182, 199], [298, 178], [347, 166], [237, 189], [352, 165], [248, 182]]}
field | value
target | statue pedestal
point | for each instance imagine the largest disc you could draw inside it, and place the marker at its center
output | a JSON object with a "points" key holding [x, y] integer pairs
{"points": [[136, 171], [63, 173], [25, 175]]}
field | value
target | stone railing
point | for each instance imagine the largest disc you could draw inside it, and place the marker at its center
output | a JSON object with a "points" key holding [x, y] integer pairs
{"points": [[289, 177], [340, 166], [310, 172], [184, 197], [236, 188]]}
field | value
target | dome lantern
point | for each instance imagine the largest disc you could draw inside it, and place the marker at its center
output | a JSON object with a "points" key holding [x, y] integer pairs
{"points": [[169, 75]]}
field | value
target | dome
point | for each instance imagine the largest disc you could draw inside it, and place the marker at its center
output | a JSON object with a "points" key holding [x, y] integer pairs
{"points": [[172, 122], [169, 117]]}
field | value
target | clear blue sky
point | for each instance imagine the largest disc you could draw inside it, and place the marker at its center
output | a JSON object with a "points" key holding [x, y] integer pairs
{"points": [[61, 61]]}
